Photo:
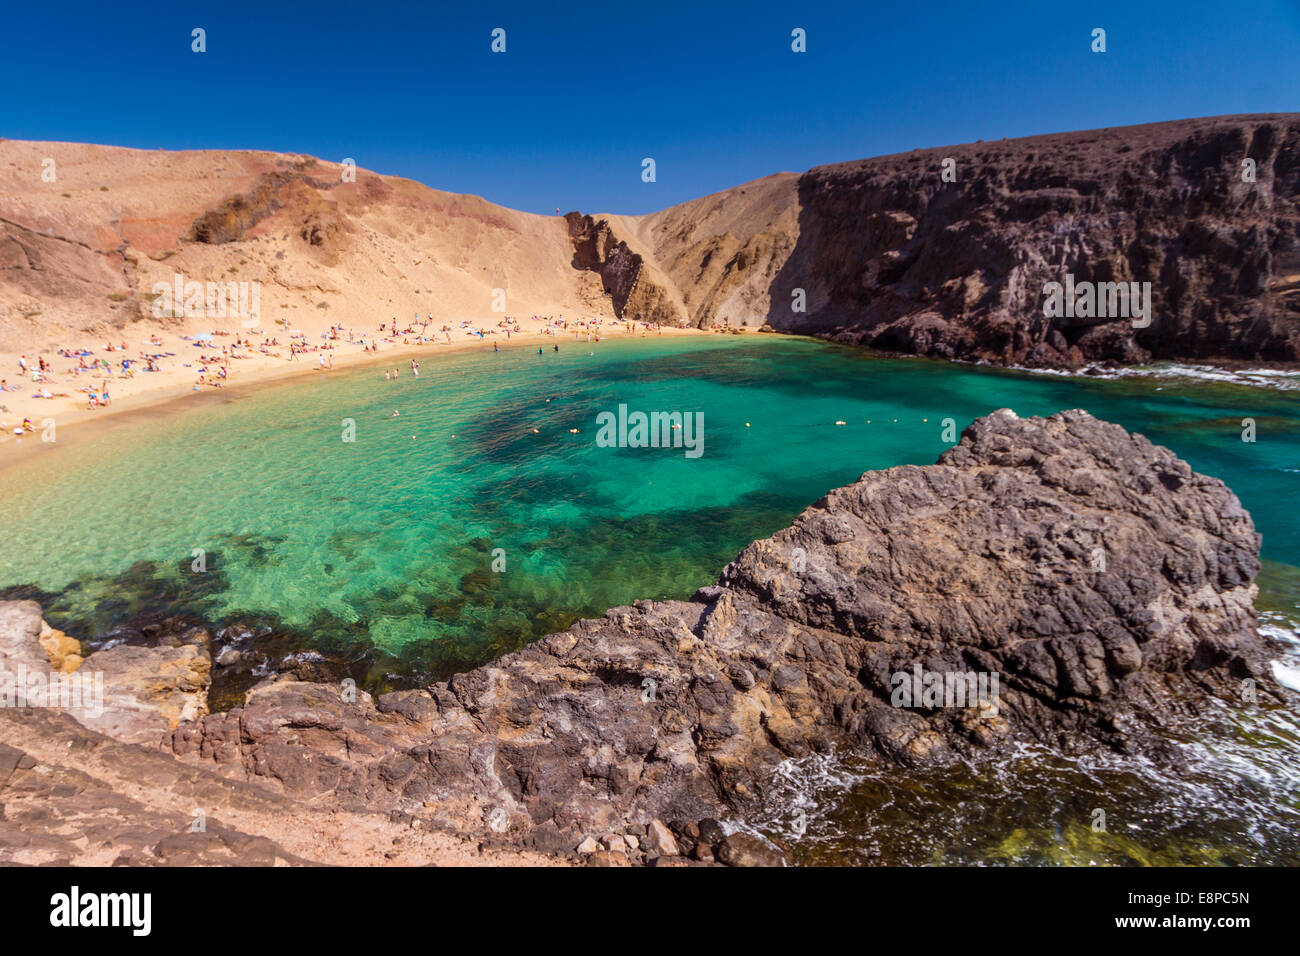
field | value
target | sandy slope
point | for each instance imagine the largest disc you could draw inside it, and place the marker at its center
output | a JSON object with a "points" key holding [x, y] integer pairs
{"points": [[80, 256], [721, 252]]}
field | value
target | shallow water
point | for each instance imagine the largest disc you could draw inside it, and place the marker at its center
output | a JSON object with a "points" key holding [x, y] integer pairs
{"points": [[384, 547]]}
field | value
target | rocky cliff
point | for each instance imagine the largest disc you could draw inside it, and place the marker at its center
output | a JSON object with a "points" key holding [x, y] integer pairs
{"points": [[891, 253], [1052, 579]]}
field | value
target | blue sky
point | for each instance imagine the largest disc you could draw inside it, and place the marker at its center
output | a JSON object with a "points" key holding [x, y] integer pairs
{"points": [[564, 117]]}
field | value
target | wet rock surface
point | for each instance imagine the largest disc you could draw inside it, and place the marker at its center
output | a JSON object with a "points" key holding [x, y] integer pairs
{"points": [[1106, 586]]}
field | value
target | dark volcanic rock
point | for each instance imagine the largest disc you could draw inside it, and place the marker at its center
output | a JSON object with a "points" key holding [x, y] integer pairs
{"points": [[888, 253], [1104, 583], [894, 257], [596, 249], [1095, 573]]}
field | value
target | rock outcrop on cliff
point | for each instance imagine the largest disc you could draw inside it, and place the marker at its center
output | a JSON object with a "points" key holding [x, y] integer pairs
{"points": [[1093, 581], [635, 289], [724, 252]]}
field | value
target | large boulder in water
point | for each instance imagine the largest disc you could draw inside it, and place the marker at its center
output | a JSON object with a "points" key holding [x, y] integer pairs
{"points": [[1094, 573]]}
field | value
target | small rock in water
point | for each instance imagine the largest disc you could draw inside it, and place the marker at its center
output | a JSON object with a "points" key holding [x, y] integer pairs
{"points": [[711, 831]]}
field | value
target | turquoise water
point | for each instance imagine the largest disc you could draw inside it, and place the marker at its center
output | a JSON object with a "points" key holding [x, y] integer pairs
{"points": [[389, 540], [381, 551]]}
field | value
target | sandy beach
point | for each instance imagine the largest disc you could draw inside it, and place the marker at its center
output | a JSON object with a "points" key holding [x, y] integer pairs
{"points": [[277, 249], [182, 376]]}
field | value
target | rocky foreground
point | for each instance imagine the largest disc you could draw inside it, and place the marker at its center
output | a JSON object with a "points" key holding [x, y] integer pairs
{"points": [[1106, 585]]}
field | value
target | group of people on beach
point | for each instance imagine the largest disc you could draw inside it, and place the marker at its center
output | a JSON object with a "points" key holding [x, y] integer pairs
{"points": [[215, 362], [42, 374]]}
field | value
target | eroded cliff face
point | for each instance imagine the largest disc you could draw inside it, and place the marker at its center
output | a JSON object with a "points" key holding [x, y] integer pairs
{"points": [[634, 287], [1107, 586], [885, 252], [908, 262], [725, 252]]}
